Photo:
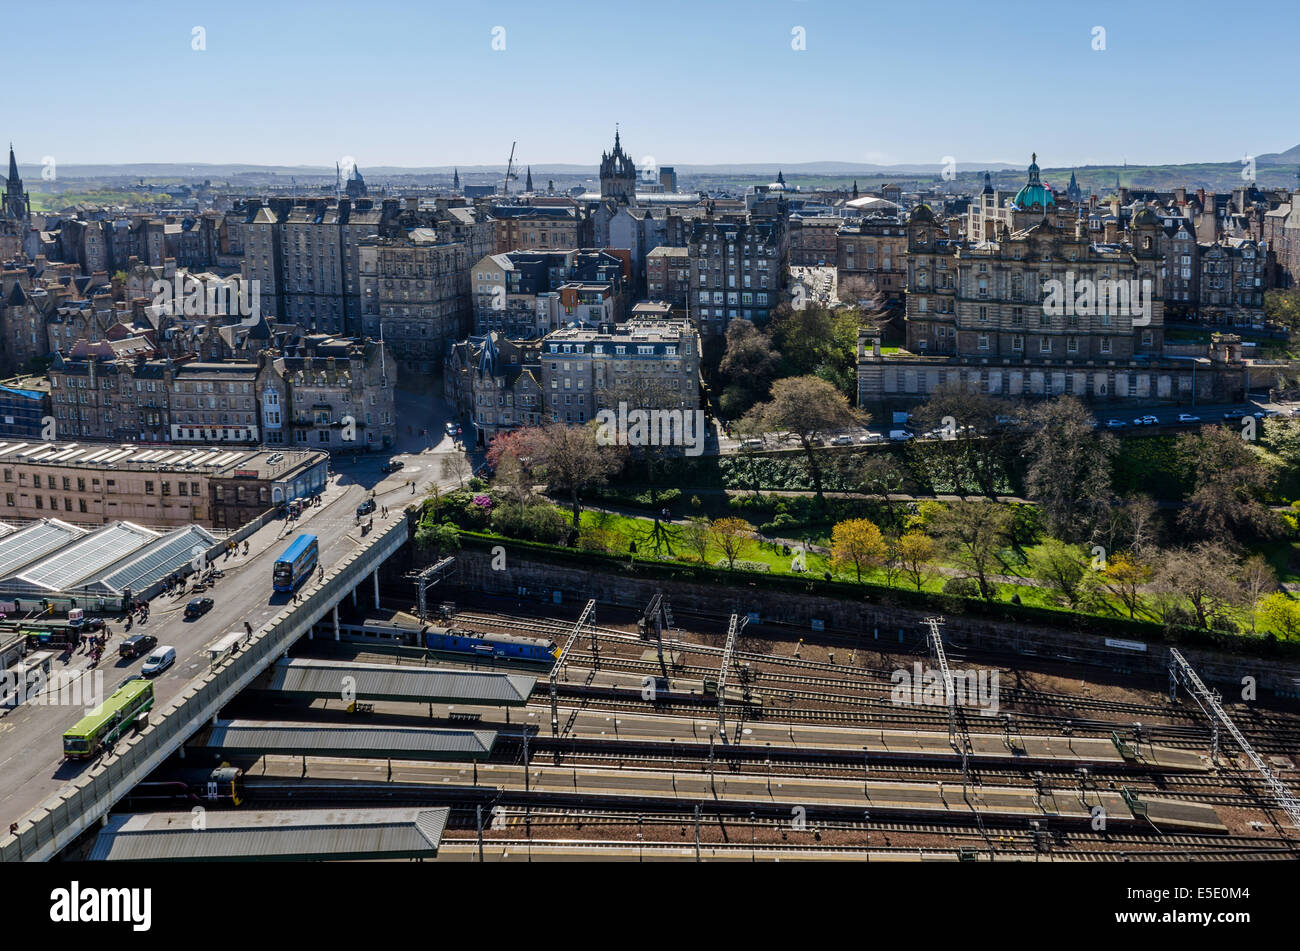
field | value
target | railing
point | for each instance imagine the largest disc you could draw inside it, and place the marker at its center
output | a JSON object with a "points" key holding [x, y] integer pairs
{"points": [[60, 819]]}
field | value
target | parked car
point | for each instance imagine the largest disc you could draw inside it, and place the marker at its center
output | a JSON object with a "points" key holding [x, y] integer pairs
{"points": [[158, 661], [139, 644], [365, 508], [1234, 414], [752, 444], [1147, 420], [197, 608], [1188, 418], [1115, 424], [392, 465], [871, 437], [842, 441], [900, 435]]}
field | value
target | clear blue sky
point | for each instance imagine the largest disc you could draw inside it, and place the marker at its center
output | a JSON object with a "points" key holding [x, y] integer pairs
{"points": [[416, 82]]}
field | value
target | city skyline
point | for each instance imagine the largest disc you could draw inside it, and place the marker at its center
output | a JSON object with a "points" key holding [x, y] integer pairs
{"points": [[1033, 81]]}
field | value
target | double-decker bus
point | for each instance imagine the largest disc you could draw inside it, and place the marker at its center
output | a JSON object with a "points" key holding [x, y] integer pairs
{"points": [[104, 724], [295, 564]]}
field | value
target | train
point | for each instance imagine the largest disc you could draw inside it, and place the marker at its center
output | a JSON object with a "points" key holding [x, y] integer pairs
{"points": [[455, 641], [446, 640]]}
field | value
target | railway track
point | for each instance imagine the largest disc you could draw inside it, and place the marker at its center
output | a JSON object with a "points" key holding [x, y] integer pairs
{"points": [[1274, 735], [1015, 695]]}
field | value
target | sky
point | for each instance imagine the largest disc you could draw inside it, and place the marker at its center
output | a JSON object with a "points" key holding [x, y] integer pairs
{"points": [[419, 82]]}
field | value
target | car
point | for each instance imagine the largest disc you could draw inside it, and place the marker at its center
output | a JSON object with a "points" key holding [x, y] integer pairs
{"points": [[1147, 420], [392, 465], [197, 608], [842, 441], [900, 435], [136, 645], [159, 660], [871, 437], [752, 444], [451, 429], [1115, 424], [1008, 421], [1234, 414], [1188, 418], [366, 507]]}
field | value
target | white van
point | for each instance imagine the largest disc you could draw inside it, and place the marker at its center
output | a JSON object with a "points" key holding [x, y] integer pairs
{"points": [[900, 435], [158, 661], [752, 444]]}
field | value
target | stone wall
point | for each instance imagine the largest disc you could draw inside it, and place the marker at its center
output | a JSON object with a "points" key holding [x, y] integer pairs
{"points": [[876, 625]]}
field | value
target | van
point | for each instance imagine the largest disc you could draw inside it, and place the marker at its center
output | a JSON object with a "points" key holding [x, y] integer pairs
{"points": [[752, 444], [900, 435], [158, 661]]}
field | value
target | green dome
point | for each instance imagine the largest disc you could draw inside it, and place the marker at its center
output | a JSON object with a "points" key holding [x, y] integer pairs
{"points": [[1034, 192]]}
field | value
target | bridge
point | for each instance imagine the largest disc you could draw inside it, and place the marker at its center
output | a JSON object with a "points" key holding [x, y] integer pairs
{"points": [[349, 560]]}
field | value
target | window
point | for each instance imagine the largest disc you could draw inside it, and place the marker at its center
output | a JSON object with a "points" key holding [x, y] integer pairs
{"points": [[148, 488], [983, 341], [1045, 345]]}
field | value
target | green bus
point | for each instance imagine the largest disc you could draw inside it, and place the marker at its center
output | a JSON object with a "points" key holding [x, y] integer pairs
{"points": [[108, 721]]}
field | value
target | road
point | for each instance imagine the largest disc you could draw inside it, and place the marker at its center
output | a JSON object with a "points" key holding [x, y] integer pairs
{"points": [[877, 431], [31, 745]]}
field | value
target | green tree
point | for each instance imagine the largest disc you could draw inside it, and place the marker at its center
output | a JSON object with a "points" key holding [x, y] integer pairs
{"points": [[808, 408], [859, 543], [1062, 568], [973, 532]]}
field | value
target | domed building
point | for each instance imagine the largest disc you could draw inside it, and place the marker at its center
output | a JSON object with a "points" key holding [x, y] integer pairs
{"points": [[1034, 194], [994, 210]]}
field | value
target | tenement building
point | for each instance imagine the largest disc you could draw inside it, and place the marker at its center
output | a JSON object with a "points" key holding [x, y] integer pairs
{"points": [[1038, 312]]}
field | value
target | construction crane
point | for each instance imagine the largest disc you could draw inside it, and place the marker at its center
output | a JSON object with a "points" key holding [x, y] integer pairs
{"points": [[505, 187]]}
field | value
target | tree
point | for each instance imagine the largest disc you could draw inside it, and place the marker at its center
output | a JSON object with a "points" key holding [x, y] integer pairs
{"points": [[748, 365], [1124, 576], [874, 474], [1230, 476], [975, 447], [697, 534], [973, 532], [567, 458], [1130, 525], [1280, 614], [916, 555], [1069, 467], [1199, 585], [1257, 580], [808, 408], [1062, 568], [1283, 307], [455, 466], [857, 542], [439, 537], [730, 535]]}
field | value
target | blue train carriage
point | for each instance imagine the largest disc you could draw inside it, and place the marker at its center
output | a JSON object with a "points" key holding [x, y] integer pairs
{"points": [[296, 564], [453, 641]]}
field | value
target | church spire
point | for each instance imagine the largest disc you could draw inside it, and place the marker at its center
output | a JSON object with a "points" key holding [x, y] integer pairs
{"points": [[529, 184], [13, 165]]}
